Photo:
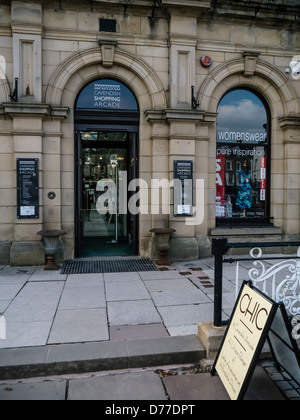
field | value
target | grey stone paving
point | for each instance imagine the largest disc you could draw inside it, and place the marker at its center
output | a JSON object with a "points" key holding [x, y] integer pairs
{"points": [[144, 386], [43, 308]]}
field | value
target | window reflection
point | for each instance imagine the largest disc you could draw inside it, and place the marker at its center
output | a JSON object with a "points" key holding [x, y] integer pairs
{"points": [[242, 182]]}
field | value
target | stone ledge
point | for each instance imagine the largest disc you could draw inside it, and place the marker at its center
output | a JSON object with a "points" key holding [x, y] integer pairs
{"points": [[98, 356]]}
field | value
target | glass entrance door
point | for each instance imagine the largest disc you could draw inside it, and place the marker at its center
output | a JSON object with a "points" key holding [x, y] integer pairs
{"points": [[104, 170]]}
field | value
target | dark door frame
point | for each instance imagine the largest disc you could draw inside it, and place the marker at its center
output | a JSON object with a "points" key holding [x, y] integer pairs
{"points": [[110, 122]]}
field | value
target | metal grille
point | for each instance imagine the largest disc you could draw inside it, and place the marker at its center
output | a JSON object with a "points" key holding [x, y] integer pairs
{"points": [[108, 266]]}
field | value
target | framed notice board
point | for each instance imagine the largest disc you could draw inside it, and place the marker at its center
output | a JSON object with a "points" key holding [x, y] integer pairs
{"points": [[183, 188], [28, 197], [245, 337]]}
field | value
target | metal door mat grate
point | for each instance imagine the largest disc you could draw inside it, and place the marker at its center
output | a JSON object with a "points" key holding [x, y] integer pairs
{"points": [[108, 266]]}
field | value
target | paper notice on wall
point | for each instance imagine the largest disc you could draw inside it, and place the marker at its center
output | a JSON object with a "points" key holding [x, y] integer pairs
{"points": [[27, 211]]}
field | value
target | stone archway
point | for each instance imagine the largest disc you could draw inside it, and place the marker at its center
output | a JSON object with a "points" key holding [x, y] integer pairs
{"points": [[63, 89], [266, 79], [284, 106], [84, 66]]}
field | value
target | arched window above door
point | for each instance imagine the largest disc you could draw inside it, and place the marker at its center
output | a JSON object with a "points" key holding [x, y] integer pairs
{"points": [[107, 94], [243, 159]]}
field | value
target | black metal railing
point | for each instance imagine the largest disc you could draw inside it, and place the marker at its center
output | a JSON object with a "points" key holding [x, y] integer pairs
{"points": [[220, 247]]}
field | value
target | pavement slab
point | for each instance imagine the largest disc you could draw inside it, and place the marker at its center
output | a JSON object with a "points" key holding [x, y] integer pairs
{"points": [[26, 334], [137, 332], [145, 386], [132, 313], [89, 297], [80, 325], [9, 291], [204, 387], [34, 391], [84, 280], [170, 284], [120, 277], [160, 275], [185, 297], [120, 291], [174, 316]]}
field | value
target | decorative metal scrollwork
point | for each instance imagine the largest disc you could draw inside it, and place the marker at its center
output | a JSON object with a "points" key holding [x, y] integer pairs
{"points": [[288, 291]]}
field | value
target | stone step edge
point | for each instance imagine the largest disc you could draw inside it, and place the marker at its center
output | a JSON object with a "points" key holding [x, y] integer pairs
{"points": [[61, 359]]}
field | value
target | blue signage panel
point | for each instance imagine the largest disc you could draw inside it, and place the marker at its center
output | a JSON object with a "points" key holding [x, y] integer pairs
{"points": [[107, 94]]}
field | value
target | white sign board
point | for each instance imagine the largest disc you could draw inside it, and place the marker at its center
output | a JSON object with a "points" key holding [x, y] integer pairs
{"points": [[247, 332]]}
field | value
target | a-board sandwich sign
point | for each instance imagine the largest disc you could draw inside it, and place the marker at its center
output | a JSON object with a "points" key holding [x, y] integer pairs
{"points": [[243, 342], [283, 346]]}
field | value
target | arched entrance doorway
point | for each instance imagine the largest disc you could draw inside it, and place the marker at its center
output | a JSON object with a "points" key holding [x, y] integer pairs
{"points": [[107, 152]]}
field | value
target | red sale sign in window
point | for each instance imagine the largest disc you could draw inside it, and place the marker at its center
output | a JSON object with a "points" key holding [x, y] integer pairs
{"points": [[263, 178], [220, 183]]}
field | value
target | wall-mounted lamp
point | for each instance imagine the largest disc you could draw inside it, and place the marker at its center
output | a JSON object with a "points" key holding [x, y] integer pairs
{"points": [[195, 103], [15, 96]]}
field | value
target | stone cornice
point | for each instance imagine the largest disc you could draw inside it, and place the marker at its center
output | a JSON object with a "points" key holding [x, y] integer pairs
{"points": [[34, 110]]}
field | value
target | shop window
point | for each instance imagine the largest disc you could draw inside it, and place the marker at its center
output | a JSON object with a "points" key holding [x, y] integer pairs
{"points": [[243, 159]]}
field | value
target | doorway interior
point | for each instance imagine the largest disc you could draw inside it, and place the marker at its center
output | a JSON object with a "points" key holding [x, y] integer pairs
{"points": [[106, 163], [106, 129]]}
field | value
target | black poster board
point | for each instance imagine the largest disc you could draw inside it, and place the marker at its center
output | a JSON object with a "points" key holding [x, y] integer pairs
{"points": [[283, 346], [28, 188], [183, 190], [244, 339]]}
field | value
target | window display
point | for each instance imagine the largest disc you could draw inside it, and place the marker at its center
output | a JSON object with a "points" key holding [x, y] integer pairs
{"points": [[242, 165]]}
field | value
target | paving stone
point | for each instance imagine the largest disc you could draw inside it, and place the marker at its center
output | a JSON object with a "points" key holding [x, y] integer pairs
{"points": [[41, 290], [118, 277], [84, 280], [132, 313], [89, 297], [136, 332], [185, 297], [14, 279], [160, 275], [204, 387], [26, 334], [168, 285], [77, 326], [145, 386], [34, 391], [4, 305], [183, 330], [9, 291], [201, 387], [35, 310], [119, 291], [44, 275], [174, 316], [24, 309]]}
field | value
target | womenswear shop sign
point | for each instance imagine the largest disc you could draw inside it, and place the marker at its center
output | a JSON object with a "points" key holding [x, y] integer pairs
{"points": [[245, 337], [28, 188]]}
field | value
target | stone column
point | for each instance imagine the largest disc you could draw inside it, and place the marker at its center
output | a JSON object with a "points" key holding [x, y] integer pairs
{"points": [[291, 126], [27, 140], [182, 146]]}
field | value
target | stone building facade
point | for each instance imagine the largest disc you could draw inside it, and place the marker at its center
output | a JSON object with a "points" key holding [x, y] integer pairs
{"points": [[54, 54]]}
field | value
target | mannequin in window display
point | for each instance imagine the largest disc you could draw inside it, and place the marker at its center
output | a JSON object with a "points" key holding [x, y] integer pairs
{"points": [[244, 195]]}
